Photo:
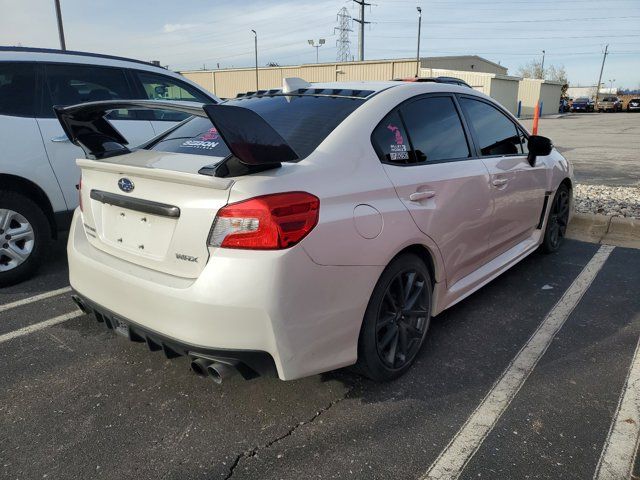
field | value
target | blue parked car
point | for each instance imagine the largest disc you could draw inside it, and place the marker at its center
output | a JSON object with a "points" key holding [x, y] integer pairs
{"points": [[582, 104]]}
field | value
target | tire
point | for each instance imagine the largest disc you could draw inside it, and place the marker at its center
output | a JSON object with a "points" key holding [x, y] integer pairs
{"points": [[25, 236], [557, 221], [395, 323]]}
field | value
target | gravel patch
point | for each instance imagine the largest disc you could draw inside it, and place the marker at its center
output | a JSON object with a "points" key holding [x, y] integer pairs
{"points": [[604, 200]]}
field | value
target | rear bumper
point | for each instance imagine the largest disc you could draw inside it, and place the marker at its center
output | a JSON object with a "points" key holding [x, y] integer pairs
{"points": [[305, 316], [250, 364]]}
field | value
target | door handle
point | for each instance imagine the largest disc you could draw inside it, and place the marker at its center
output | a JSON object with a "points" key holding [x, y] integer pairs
{"points": [[417, 196], [499, 182], [60, 139]]}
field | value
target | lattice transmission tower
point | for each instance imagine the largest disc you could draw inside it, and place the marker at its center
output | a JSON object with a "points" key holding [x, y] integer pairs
{"points": [[343, 43]]}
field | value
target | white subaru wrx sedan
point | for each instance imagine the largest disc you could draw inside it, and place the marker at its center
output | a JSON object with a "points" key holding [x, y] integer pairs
{"points": [[299, 230]]}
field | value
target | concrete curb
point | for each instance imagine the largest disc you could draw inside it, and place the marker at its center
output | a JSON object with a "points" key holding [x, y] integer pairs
{"points": [[607, 229]]}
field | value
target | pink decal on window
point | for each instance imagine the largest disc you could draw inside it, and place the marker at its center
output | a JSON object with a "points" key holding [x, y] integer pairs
{"points": [[396, 132], [212, 134]]}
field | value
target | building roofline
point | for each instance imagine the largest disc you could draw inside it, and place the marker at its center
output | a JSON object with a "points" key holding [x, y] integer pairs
{"points": [[449, 57], [74, 52]]}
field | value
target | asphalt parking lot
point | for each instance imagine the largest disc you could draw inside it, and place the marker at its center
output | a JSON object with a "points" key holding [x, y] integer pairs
{"points": [[77, 401], [603, 147], [537, 375]]}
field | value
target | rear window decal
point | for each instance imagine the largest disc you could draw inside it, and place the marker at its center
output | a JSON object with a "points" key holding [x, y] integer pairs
{"points": [[204, 145]]}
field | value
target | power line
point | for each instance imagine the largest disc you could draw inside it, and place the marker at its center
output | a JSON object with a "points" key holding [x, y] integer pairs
{"points": [[362, 23], [343, 44], [629, 17]]}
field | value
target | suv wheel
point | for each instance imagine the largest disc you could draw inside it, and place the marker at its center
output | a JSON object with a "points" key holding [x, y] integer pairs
{"points": [[396, 320], [24, 237]]}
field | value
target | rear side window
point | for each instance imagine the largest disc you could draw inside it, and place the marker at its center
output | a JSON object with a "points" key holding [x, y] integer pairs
{"points": [[435, 129], [17, 89], [495, 132], [73, 84], [391, 142]]}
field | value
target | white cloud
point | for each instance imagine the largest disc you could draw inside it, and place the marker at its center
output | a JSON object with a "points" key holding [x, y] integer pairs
{"points": [[177, 27]]}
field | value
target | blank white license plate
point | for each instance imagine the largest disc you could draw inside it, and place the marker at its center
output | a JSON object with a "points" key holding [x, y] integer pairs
{"points": [[144, 234]]}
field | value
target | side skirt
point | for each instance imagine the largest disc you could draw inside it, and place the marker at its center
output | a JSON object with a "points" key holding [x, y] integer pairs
{"points": [[476, 280]]}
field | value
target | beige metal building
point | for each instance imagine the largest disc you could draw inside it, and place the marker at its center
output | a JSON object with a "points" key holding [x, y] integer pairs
{"points": [[532, 91], [463, 63], [228, 83], [501, 87], [483, 75]]}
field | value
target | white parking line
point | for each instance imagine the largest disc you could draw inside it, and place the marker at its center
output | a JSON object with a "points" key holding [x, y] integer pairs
{"points": [[35, 298], [465, 443], [620, 448], [39, 326]]}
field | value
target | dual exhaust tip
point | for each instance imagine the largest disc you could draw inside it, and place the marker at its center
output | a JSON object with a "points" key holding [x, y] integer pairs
{"points": [[218, 371]]}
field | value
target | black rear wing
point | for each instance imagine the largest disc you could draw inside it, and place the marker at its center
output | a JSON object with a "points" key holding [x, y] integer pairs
{"points": [[254, 144]]}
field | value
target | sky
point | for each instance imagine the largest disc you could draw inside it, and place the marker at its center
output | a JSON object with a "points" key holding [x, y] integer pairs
{"points": [[192, 34]]}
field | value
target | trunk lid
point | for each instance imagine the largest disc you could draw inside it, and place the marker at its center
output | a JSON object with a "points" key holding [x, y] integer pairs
{"points": [[152, 209]]}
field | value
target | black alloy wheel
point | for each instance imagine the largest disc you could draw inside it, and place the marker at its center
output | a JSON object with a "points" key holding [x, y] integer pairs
{"points": [[558, 220], [402, 319], [396, 320]]}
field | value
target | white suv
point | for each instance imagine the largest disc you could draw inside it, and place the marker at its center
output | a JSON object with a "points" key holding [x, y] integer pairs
{"points": [[38, 173]]}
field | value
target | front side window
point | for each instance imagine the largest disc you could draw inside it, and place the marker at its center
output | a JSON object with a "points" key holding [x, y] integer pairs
{"points": [[495, 133], [435, 129], [74, 84], [17, 89]]}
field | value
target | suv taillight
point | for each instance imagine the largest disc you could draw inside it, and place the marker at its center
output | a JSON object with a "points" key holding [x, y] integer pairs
{"points": [[268, 222]]}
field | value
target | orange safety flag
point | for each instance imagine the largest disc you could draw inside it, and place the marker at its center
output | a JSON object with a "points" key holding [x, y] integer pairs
{"points": [[536, 118]]}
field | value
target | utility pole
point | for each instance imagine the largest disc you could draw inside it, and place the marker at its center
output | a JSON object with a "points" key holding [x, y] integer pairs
{"points": [[362, 23], [542, 67], [63, 45], [255, 47], [316, 46], [604, 57], [418, 52]]}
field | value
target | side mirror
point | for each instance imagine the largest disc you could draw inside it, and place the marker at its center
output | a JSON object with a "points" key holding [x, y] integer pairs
{"points": [[538, 146]]}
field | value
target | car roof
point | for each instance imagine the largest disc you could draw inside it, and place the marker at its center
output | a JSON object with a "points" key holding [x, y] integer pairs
{"points": [[65, 55], [49, 55], [361, 89]]}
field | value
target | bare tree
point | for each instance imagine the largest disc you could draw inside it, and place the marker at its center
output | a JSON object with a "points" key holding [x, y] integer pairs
{"points": [[533, 69]]}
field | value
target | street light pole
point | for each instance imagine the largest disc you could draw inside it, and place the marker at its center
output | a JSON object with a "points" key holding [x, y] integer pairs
{"points": [[418, 52], [63, 45], [321, 42], [542, 67], [255, 47]]}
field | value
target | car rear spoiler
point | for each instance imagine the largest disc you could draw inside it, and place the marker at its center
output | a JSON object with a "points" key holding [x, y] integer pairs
{"points": [[254, 144]]}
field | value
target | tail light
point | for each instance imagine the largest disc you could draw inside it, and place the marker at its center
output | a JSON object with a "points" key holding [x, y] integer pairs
{"points": [[268, 222]]}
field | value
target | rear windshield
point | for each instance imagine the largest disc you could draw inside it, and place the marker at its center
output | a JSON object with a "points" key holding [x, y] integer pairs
{"points": [[303, 121]]}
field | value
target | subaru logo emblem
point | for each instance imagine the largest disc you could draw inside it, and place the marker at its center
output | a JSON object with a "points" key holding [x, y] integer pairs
{"points": [[126, 185]]}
